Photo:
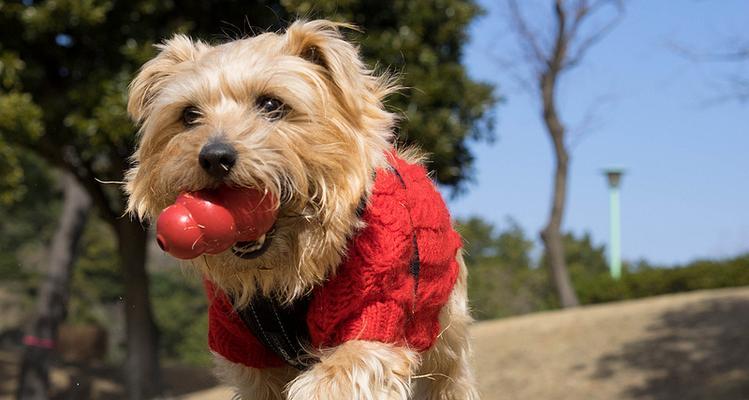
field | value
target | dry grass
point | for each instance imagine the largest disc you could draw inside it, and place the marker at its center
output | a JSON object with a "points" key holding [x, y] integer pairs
{"points": [[686, 346]]}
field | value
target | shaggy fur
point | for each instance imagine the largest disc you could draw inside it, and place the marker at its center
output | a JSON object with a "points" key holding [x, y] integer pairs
{"points": [[318, 159]]}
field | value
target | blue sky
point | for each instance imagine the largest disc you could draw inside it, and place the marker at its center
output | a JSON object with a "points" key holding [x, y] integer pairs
{"points": [[686, 193]]}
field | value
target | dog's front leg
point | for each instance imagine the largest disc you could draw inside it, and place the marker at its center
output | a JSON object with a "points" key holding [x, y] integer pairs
{"points": [[358, 370], [251, 383]]}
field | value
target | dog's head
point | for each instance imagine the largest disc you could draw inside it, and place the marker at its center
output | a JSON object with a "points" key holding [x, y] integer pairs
{"points": [[296, 114]]}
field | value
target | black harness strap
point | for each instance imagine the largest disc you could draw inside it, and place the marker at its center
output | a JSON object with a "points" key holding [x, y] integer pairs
{"points": [[283, 329], [280, 328]]}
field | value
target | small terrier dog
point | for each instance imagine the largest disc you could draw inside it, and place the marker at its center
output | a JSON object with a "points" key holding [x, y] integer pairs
{"points": [[362, 244]]}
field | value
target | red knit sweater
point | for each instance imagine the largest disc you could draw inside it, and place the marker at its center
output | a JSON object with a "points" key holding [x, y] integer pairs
{"points": [[373, 296]]}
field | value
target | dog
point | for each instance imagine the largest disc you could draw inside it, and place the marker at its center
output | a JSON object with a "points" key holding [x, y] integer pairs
{"points": [[362, 244]]}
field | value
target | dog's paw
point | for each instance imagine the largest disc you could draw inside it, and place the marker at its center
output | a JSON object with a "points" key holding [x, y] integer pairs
{"points": [[358, 370]]}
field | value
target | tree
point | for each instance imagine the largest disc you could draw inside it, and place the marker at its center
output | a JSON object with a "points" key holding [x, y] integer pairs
{"points": [[26, 209], [549, 60], [479, 240], [583, 257], [442, 107], [54, 292], [587, 265], [502, 278], [66, 66]]}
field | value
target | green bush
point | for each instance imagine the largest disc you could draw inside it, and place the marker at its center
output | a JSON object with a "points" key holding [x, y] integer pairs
{"points": [[651, 281]]}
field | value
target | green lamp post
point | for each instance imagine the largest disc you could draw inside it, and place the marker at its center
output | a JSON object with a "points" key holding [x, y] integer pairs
{"points": [[614, 177]]}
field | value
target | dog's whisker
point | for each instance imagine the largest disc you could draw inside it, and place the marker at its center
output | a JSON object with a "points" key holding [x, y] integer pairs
{"points": [[109, 182], [445, 329], [431, 376], [195, 243], [205, 260]]}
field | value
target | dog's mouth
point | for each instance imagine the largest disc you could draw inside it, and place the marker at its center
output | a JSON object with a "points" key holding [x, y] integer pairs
{"points": [[254, 248]]}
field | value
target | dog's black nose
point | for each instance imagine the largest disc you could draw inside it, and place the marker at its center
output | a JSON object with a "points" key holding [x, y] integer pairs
{"points": [[217, 158]]}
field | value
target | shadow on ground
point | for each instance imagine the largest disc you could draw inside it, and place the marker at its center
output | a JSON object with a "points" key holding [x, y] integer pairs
{"points": [[697, 352]]}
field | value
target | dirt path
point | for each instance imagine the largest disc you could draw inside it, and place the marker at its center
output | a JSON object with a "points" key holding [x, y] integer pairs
{"points": [[678, 347]]}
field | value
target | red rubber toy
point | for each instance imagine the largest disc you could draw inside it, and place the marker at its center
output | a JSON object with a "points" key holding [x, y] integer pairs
{"points": [[211, 221]]}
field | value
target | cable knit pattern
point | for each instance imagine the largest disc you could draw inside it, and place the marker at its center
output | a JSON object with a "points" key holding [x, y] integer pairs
{"points": [[373, 296]]}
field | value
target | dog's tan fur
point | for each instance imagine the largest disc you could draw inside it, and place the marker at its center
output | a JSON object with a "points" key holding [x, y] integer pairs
{"points": [[318, 159]]}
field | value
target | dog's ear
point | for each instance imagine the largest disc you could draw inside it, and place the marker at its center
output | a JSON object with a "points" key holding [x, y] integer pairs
{"points": [[155, 72], [321, 42]]}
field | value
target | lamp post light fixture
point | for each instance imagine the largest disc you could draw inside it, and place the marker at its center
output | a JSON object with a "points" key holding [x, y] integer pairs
{"points": [[614, 177]]}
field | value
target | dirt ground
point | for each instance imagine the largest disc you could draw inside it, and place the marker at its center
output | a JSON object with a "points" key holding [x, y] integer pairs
{"points": [[686, 347]]}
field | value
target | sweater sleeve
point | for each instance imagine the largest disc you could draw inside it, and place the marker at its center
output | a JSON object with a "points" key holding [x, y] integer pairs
{"points": [[381, 321], [372, 292]]}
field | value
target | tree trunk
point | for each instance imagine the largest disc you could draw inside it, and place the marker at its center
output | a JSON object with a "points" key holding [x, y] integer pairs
{"points": [[552, 238], [551, 234], [142, 373], [54, 293]]}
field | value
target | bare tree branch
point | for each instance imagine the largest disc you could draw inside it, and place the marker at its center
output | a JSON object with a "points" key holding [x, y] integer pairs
{"points": [[734, 86], [738, 54], [514, 70], [589, 123], [585, 43], [530, 40], [559, 52], [581, 11]]}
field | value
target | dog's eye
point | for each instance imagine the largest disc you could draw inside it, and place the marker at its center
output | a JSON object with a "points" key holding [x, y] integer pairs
{"points": [[272, 108], [190, 116]]}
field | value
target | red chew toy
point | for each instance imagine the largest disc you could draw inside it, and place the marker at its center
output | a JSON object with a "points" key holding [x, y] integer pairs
{"points": [[211, 221]]}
